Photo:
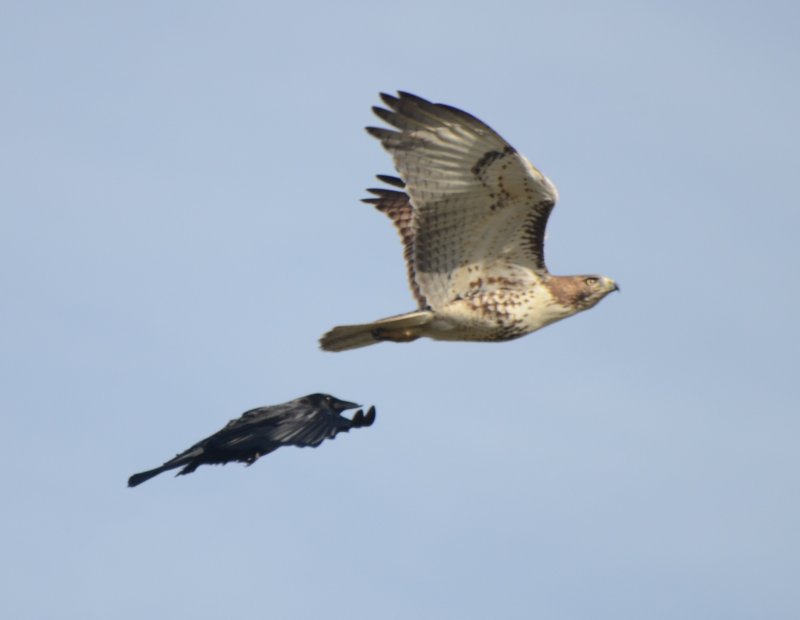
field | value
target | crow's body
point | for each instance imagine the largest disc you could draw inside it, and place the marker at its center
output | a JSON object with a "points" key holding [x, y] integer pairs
{"points": [[306, 421]]}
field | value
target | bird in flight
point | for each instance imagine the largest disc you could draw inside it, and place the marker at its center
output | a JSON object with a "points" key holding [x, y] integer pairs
{"points": [[306, 421], [471, 212]]}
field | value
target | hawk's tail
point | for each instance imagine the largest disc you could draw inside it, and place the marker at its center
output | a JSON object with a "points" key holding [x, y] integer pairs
{"points": [[401, 328]]}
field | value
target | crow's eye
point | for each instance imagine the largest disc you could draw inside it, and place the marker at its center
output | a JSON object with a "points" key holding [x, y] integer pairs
{"points": [[590, 281]]}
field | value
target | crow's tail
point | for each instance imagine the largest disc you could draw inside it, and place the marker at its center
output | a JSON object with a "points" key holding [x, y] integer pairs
{"points": [[137, 479]]}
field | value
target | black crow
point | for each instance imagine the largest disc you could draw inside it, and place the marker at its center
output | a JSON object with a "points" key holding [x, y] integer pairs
{"points": [[306, 421]]}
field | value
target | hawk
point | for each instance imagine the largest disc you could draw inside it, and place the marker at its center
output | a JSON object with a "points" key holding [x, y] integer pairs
{"points": [[306, 421], [471, 212]]}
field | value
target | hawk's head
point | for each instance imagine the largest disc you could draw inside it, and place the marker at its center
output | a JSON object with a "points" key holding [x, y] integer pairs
{"points": [[580, 292]]}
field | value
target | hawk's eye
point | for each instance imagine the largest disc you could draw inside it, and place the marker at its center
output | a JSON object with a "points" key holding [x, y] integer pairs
{"points": [[590, 281]]}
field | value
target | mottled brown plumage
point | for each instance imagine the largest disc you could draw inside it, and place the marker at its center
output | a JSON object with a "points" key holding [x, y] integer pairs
{"points": [[398, 207]]}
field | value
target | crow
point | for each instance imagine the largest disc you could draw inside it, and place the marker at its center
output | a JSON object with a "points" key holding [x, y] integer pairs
{"points": [[306, 421]]}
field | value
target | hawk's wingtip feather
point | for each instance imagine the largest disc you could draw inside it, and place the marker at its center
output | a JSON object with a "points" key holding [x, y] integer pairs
{"points": [[391, 180], [389, 100], [404, 94]]}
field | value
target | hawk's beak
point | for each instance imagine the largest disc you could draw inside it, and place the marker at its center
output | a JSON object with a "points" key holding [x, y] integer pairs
{"points": [[615, 287]]}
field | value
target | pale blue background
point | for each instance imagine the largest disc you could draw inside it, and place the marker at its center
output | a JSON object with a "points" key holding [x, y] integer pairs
{"points": [[179, 185]]}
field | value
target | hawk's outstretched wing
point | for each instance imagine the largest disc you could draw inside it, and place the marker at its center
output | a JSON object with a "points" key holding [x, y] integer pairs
{"points": [[479, 207]]}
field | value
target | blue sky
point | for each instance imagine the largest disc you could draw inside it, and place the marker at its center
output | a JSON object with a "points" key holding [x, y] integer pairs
{"points": [[180, 188]]}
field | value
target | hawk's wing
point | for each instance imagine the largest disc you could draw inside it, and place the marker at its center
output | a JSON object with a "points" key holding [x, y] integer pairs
{"points": [[397, 206], [480, 208]]}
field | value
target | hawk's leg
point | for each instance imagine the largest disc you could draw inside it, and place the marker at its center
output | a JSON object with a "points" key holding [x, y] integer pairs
{"points": [[396, 335]]}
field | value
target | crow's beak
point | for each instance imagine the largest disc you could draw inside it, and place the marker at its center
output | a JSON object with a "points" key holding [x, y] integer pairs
{"points": [[343, 405]]}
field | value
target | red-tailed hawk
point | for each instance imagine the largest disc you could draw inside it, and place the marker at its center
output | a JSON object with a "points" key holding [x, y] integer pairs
{"points": [[471, 213]]}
